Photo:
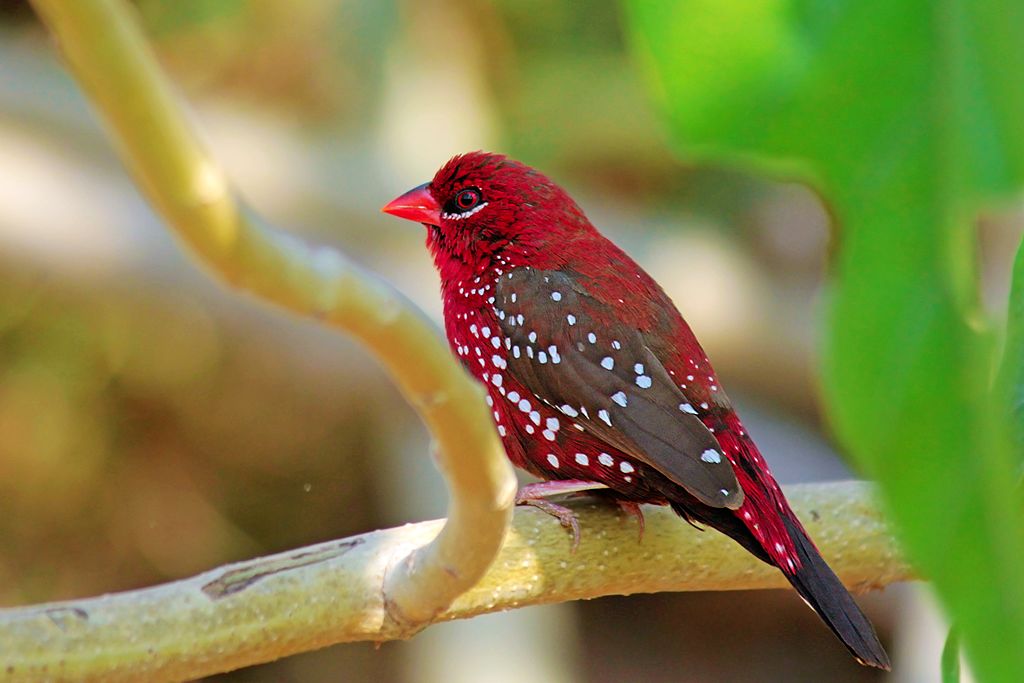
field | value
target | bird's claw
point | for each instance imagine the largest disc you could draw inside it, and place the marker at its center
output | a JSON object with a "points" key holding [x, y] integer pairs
{"points": [[536, 495], [565, 516], [633, 509]]}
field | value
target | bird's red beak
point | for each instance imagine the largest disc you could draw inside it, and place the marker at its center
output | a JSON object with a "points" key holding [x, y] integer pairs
{"points": [[416, 205]]}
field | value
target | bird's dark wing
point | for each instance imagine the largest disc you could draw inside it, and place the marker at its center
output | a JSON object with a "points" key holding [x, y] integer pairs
{"points": [[600, 373]]}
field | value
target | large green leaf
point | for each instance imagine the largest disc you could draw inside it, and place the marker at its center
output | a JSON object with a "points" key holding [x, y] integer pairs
{"points": [[907, 115]]}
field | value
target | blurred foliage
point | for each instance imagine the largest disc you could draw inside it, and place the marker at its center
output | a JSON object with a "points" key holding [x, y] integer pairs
{"points": [[559, 72], [141, 439], [311, 59], [907, 115]]}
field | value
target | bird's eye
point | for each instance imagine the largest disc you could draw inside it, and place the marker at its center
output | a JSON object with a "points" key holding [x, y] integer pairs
{"points": [[467, 199], [463, 204]]}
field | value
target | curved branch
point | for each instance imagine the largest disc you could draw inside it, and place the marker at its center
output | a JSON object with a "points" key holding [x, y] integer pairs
{"points": [[267, 608], [113, 63]]}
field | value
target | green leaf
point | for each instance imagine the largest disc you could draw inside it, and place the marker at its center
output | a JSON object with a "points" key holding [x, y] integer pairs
{"points": [[907, 116], [951, 658], [1011, 374]]}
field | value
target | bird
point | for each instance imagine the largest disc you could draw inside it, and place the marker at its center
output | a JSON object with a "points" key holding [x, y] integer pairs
{"points": [[594, 379]]}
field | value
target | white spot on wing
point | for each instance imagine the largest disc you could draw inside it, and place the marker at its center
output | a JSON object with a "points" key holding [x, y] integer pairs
{"points": [[643, 381], [619, 398], [711, 455], [607, 362]]}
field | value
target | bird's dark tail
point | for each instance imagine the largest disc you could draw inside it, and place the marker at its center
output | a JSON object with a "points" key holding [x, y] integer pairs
{"points": [[818, 585], [814, 580]]}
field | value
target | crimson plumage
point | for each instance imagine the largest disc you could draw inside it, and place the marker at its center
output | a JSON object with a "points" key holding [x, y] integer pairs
{"points": [[594, 377]]}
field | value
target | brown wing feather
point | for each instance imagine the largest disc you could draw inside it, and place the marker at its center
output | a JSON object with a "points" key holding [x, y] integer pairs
{"points": [[605, 378]]}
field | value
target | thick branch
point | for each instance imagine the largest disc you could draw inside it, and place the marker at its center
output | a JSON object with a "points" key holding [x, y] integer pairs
{"points": [[263, 609], [104, 47]]}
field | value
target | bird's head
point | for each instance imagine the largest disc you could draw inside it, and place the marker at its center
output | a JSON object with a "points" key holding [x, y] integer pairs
{"points": [[481, 208]]}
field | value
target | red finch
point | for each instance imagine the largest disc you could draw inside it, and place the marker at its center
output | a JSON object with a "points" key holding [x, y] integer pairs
{"points": [[595, 380]]}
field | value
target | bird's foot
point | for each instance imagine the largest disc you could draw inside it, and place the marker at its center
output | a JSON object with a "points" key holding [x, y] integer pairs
{"points": [[535, 495], [565, 516], [634, 509]]}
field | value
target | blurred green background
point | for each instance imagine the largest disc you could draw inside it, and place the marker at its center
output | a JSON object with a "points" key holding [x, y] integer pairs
{"points": [[154, 424]]}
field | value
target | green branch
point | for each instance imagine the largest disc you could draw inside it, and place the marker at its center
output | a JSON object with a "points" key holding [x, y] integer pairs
{"points": [[263, 609]]}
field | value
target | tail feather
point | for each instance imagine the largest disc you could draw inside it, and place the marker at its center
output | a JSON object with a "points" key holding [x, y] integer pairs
{"points": [[814, 580], [818, 585]]}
